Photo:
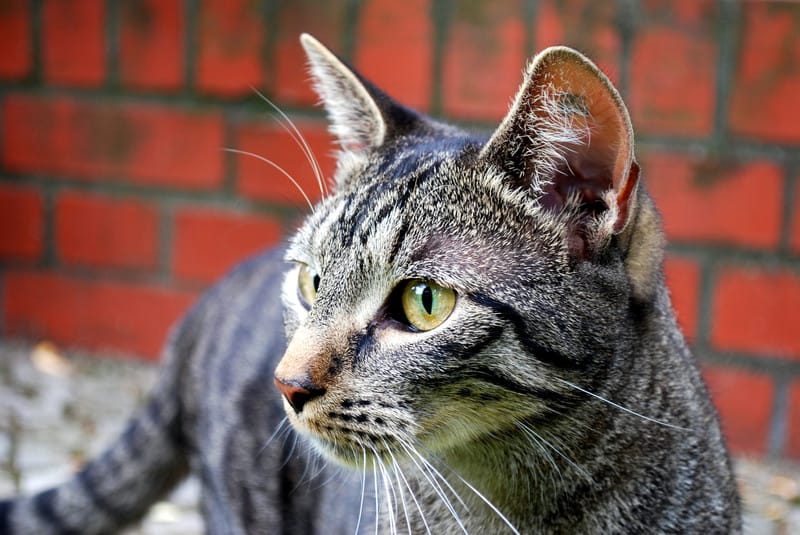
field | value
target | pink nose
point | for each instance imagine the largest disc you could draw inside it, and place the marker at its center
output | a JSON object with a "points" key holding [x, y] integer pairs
{"points": [[298, 395]]}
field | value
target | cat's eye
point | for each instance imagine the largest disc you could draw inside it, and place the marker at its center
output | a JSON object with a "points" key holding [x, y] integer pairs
{"points": [[426, 304], [308, 284]]}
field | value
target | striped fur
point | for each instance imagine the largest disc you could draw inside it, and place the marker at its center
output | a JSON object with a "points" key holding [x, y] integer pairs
{"points": [[558, 397]]}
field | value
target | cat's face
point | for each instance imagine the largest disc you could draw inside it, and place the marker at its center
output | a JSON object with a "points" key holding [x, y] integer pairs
{"points": [[389, 296], [444, 287]]}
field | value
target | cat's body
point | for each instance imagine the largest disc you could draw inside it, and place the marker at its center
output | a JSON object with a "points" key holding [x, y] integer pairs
{"points": [[478, 326]]}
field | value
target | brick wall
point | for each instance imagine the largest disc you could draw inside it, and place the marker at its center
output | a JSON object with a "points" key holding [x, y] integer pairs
{"points": [[118, 204]]}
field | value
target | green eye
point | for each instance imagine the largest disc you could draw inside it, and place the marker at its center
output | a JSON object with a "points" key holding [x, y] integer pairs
{"points": [[426, 304], [308, 284]]}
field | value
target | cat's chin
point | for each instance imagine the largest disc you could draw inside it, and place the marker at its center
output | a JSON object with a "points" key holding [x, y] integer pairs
{"points": [[355, 455], [346, 456]]}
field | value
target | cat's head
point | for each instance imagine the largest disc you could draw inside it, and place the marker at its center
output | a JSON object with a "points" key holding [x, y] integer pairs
{"points": [[450, 280]]}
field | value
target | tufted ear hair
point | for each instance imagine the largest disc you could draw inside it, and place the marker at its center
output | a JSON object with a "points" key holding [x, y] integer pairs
{"points": [[569, 138], [361, 116]]}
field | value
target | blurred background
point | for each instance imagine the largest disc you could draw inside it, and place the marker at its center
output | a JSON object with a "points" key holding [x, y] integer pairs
{"points": [[119, 206]]}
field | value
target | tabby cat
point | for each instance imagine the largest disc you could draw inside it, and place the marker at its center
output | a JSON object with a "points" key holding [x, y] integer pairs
{"points": [[479, 332]]}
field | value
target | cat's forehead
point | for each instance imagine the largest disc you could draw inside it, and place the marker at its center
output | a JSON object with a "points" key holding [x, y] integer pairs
{"points": [[426, 205]]}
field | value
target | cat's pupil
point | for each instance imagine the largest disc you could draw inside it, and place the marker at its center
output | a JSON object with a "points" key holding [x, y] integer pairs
{"points": [[316, 282], [427, 299]]}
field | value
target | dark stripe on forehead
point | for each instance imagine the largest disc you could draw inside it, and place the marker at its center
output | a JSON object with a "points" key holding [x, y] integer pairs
{"points": [[396, 199], [398, 240]]}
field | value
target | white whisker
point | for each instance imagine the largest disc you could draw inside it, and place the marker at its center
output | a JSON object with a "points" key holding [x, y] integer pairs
{"points": [[552, 446], [278, 168], [430, 473], [377, 491], [279, 430], [537, 441], [363, 488], [291, 453], [620, 407], [399, 471], [298, 138], [436, 474], [391, 495], [475, 491]]}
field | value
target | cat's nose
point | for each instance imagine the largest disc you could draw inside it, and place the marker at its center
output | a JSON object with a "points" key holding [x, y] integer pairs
{"points": [[298, 394]]}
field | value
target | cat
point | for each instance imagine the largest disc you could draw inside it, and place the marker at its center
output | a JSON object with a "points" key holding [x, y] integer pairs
{"points": [[479, 341]]}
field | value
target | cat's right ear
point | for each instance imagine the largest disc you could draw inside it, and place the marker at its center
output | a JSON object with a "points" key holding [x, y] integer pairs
{"points": [[355, 116]]}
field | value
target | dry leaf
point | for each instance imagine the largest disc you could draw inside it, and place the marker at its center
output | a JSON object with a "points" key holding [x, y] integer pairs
{"points": [[784, 487], [47, 359]]}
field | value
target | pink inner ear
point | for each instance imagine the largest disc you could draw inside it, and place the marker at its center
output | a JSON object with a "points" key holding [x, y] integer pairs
{"points": [[604, 161]]}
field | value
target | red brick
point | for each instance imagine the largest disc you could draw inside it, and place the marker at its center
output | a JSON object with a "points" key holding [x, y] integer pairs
{"points": [[21, 223], [209, 242], [795, 236], [758, 311], [231, 38], [744, 401], [395, 49], [674, 68], [793, 438], [584, 25], [323, 20], [764, 96], [683, 280], [98, 315], [98, 231], [260, 180], [73, 42], [484, 58], [151, 44], [16, 60], [703, 200], [141, 143]]}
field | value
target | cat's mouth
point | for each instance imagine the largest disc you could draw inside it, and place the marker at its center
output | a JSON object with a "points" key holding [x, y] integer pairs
{"points": [[353, 437], [353, 448]]}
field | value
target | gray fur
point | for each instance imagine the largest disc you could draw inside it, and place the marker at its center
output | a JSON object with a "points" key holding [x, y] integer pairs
{"points": [[558, 397]]}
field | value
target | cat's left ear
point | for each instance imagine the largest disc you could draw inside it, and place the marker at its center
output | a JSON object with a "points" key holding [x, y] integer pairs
{"points": [[568, 137], [362, 116], [355, 118]]}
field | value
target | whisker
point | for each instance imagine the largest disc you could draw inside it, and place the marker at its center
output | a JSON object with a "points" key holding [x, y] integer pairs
{"points": [[310, 458], [290, 127], [537, 440], [298, 137], [363, 488], [392, 495], [399, 472], [434, 472], [477, 493], [324, 483], [290, 454], [395, 468], [430, 473], [278, 168], [319, 466], [549, 443], [377, 490], [620, 407], [279, 429]]}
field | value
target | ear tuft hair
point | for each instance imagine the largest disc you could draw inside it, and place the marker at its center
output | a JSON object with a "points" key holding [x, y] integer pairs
{"points": [[356, 120], [569, 139]]}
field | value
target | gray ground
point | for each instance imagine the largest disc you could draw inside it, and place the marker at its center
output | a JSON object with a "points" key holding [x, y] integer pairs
{"points": [[57, 410]]}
